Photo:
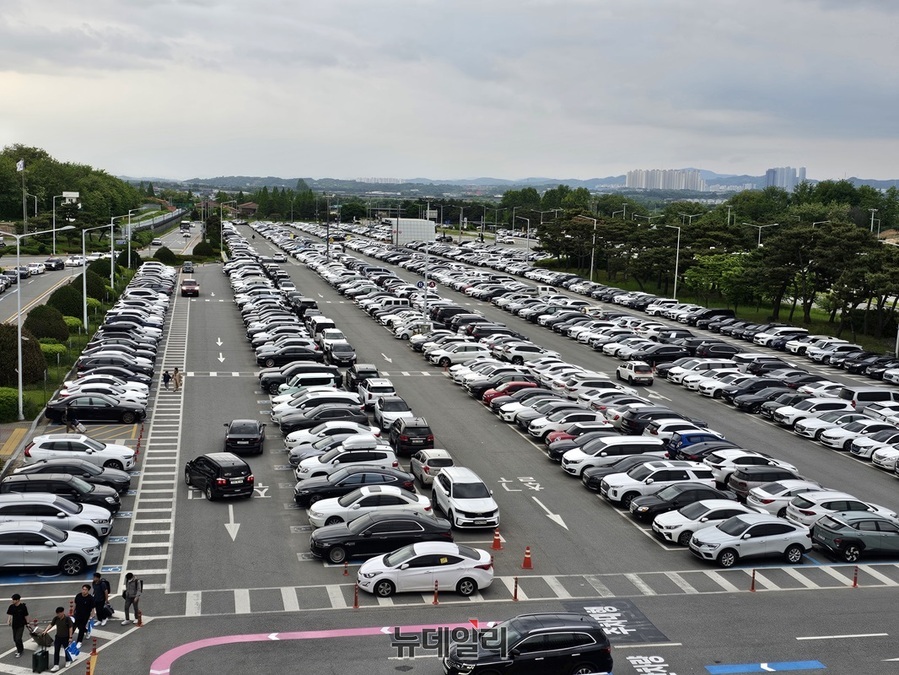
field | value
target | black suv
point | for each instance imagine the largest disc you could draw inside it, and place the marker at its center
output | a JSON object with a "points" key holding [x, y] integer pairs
{"points": [[535, 643], [358, 372], [220, 474], [65, 485], [244, 436], [410, 434]]}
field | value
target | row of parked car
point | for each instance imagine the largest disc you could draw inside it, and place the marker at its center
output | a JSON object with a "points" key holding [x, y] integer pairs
{"points": [[57, 507]]}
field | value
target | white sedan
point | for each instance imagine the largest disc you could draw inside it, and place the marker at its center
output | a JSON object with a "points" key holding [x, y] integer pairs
{"points": [[365, 500], [679, 526], [807, 508], [425, 566], [813, 427], [774, 497], [306, 437], [885, 458], [107, 390], [841, 438]]}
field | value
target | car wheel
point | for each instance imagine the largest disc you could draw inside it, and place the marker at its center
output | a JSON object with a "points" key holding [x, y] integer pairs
{"points": [[334, 520], [798, 419], [114, 464], [782, 513], [384, 588], [84, 529], [128, 418], [851, 553], [72, 565], [728, 558], [451, 517], [187, 478], [630, 380], [208, 493], [444, 362], [435, 506], [684, 538], [627, 499], [517, 360], [314, 498], [337, 555], [466, 587], [269, 363], [847, 446], [818, 434], [273, 389], [584, 669], [716, 394], [404, 336], [794, 554]]}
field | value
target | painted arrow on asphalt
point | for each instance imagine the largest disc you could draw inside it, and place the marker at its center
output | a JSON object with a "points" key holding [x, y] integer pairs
{"points": [[219, 342], [555, 517], [386, 358], [231, 526], [221, 358]]}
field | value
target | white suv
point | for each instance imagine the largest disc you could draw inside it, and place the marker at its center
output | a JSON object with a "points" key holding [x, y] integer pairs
{"points": [[651, 477], [57, 446], [464, 498]]}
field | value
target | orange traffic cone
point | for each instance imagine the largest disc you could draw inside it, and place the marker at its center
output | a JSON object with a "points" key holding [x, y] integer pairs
{"points": [[527, 564], [497, 542]]}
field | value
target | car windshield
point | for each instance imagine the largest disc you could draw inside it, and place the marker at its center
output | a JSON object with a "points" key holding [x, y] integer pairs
{"points": [[243, 428], [342, 348], [66, 506], [53, 534], [694, 511], [735, 527], [400, 556], [323, 443], [470, 491], [639, 472], [803, 405], [396, 405], [81, 485], [669, 492], [350, 498], [360, 524], [92, 444]]}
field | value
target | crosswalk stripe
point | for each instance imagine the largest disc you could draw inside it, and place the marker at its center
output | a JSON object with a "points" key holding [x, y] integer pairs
{"points": [[884, 579], [335, 596], [641, 585], [601, 589], [801, 578], [557, 587], [762, 579], [836, 575], [289, 599], [509, 583], [721, 581], [681, 583]]}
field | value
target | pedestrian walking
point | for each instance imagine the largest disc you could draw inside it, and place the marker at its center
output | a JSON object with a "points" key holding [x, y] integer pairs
{"points": [[68, 421], [84, 608], [100, 590], [133, 589], [166, 376], [176, 379], [64, 629], [17, 619]]}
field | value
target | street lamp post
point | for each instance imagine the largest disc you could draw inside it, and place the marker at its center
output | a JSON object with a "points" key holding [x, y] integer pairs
{"points": [[760, 228], [684, 216], [69, 197], [526, 220], [528, 243], [820, 222], [593, 244], [84, 266], [676, 257], [19, 238], [130, 211], [461, 211], [648, 219], [622, 211], [873, 211], [112, 247]]}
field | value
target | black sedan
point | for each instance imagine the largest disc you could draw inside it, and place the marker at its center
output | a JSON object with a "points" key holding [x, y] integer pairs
{"points": [[95, 408], [751, 403], [557, 449], [244, 436], [729, 393], [344, 481], [376, 533], [306, 419], [118, 480], [54, 264], [674, 497], [287, 355], [593, 476]]}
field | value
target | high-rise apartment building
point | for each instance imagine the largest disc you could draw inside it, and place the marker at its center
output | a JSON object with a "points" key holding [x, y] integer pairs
{"points": [[666, 179], [785, 177]]}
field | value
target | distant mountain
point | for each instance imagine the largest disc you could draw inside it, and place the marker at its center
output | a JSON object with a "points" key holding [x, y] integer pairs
{"points": [[876, 184]]}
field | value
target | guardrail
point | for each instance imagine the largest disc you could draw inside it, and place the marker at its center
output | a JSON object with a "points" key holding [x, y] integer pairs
{"points": [[158, 221]]}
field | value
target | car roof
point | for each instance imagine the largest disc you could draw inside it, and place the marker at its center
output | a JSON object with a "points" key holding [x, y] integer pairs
{"points": [[225, 458], [435, 453], [61, 437], [19, 525]]}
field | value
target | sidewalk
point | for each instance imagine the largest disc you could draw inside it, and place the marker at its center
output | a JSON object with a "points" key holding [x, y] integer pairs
{"points": [[12, 435]]}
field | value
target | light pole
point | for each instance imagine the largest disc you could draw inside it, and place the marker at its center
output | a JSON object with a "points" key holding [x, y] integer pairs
{"points": [[760, 228], [622, 211], [684, 216], [820, 222], [84, 266], [528, 244], [70, 197], [19, 238], [461, 211], [130, 211], [648, 219], [112, 247], [28, 194], [676, 257], [593, 244], [873, 211]]}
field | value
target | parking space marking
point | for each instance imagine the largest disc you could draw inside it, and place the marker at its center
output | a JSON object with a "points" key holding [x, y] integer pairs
{"points": [[882, 578], [721, 581], [289, 599], [509, 583], [241, 600], [639, 584], [335, 596], [385, 602], [832, 571], [556, 587], [681, 583], [193, 603]]}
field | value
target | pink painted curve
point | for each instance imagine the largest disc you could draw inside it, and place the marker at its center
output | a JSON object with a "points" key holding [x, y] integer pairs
{"points": [[162, 665]]}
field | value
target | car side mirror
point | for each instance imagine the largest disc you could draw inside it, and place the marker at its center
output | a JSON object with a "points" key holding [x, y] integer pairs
{"points": [[515, 653], [404, 566], [649, 481], [603, 454], [225, 424], [491, 493], [746, 536], [61, 514], [49, 544], [704, 519], [355, 506]]}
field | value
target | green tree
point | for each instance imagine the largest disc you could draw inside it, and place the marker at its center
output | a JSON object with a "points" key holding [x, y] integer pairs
{"points": [[45, 321], [33, 362], [67, 299], [165, 255]]}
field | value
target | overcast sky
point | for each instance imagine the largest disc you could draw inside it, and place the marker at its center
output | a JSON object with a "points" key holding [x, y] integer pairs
{"points": [[453, 88]]}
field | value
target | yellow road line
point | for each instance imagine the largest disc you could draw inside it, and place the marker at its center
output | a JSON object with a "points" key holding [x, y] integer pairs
{"points": [[38, 300], [13, 441]]}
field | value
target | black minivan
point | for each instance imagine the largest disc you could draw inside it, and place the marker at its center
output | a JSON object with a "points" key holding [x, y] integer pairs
{"points": [[65, 485]]}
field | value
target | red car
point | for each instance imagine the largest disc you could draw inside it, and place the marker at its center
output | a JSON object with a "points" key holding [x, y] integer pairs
{"points": [[190, 287], [505, 389]]}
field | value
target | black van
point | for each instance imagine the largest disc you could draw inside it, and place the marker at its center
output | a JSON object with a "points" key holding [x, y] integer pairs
{"points": [[220, 474]]}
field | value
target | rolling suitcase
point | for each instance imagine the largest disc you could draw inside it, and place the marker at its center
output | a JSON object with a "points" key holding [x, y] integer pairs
{"points": [[40, 661]]}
